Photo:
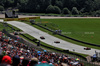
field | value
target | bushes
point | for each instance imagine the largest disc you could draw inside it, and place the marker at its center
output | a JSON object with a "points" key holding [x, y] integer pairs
{"points": [[65, 11], [50, 9], [97, 13], [57, 10], [75, 11], [53, 9]]}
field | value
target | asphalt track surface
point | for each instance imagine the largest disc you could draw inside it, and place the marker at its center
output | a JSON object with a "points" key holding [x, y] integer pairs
{"points": [[50, 39]]}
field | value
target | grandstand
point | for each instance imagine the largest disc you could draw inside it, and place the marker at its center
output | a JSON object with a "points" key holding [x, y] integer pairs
{"points": [[15, 51]]}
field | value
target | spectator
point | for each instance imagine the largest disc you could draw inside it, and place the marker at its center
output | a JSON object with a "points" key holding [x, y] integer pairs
{"points": [[1, 56], [33, 62], [6, 59], [25, 61], [19, 52], [4, 64], [16, 58]]}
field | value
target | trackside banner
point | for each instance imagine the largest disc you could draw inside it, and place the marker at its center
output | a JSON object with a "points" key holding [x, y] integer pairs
{"points": [[16, 19]]}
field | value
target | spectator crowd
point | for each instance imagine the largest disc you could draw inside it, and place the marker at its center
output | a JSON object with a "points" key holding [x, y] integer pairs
{"points": [[14, 53]]}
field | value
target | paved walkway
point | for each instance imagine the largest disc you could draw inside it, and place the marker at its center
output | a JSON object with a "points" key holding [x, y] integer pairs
{"points": [[50, 39]]}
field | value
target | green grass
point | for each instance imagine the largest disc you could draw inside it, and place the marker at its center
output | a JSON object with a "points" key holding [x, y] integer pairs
{"points": [[63, 38], [1, 26], [14, 27], [68, 34], [4, 26], [87, 30]]}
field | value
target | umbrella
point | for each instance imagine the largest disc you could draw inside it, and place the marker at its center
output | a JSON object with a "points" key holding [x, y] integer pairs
{"points": [[39, 62], [21, 57], [38, 51], [39, 54], [15, 41], [3, 36], [77, 59], [45, 50], [44, 61], [10, 39], [44, 64]]}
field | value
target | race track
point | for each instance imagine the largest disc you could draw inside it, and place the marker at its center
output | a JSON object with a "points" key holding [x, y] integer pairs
{"points": [[50, 39]]}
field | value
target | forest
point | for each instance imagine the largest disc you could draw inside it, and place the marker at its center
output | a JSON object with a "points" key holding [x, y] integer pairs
{"points": [[74, 7]]}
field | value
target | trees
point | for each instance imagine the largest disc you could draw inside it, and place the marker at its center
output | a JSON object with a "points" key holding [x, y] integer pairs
{"points": [[50, 9], [40, 6], [89, 5], [1, 8], [75, 11], [59, 4], [2, 2], [53, 9], [97, 13], [57, 10], [96, 5], [8, 3], [67, 3]]}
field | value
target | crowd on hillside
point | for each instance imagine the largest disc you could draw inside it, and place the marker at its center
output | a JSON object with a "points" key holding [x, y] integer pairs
{"points": [[13, 53]]}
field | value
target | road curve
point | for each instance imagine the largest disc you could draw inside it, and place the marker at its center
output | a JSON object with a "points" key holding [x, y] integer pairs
{"points": [[50, 39]]}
